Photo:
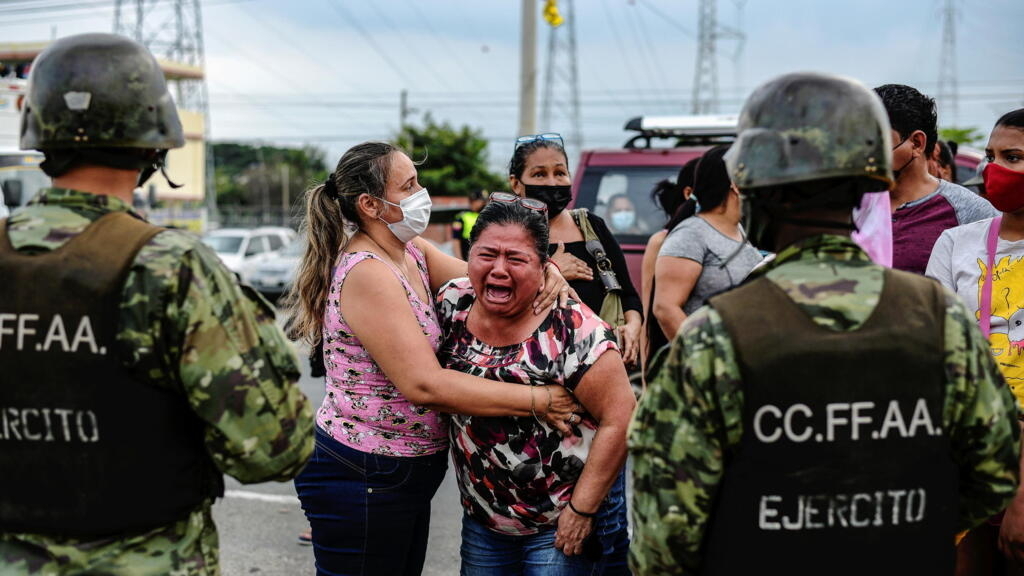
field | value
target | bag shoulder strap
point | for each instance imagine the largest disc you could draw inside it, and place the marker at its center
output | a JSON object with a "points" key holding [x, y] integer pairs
{"points": [[579, 215]]}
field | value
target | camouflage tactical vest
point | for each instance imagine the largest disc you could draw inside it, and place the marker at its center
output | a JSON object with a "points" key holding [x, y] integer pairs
{"points": [[844, 467], [86, 449]]}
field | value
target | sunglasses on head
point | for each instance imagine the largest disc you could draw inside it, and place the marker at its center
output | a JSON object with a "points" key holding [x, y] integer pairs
{"points": [[530, 203], [547, 136]]}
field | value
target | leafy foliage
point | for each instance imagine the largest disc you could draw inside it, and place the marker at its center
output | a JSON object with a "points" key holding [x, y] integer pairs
{"points": [[454, 160], [968, 136], [246, 175]]}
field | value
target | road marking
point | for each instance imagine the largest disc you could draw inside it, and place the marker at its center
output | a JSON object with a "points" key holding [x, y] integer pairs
{"points": [[275, 498]]}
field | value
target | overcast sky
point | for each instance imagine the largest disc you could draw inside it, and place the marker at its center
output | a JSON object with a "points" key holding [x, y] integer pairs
{"points": [[329, 72]]}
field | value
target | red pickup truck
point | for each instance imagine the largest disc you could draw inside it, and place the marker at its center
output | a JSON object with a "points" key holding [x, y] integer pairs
{"points": [[657, 150]]}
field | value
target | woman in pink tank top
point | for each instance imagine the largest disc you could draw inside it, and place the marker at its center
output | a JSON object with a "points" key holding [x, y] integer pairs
{"points": [[364, 290]]}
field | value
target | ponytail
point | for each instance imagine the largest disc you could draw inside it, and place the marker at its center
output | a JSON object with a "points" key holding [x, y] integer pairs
{"points": [[324, 230], [685, 210]]}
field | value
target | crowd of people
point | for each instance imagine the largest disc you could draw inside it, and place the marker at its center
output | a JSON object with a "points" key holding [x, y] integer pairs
{"points": [[829, 331]]}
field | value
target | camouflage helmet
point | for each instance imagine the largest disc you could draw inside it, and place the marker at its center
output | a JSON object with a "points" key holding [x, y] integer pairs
{"points": [[806, 126], [98, 90]]}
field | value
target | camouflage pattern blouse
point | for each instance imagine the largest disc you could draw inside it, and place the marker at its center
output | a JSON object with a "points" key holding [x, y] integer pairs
{"points": [[188, 327], [693, 410]]}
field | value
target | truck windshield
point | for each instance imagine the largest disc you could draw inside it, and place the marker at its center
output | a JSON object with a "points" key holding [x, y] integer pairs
{"points": [[607, 190]]}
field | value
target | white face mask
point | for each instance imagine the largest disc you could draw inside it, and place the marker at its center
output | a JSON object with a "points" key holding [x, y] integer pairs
{"points": [[415, 216]]}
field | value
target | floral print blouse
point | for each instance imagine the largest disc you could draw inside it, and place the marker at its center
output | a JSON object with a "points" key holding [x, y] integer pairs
{"points": [[515, 475]]}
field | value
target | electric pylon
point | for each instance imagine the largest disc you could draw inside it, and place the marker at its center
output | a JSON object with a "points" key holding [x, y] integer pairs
{"points": [[173, 30], [705, 81], [561, 81], [948, 95]]}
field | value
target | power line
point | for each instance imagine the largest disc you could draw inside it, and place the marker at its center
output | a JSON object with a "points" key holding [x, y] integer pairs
{"points": [[455, 56], [618, 41], [350, 19], [409, 49], [642, 40], [661, 14]]}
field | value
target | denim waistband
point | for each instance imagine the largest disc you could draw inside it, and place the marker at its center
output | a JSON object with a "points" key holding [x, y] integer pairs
{"points": [[439, 458]]}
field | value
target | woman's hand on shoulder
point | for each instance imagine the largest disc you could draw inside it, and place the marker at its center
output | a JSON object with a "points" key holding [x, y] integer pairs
{"points": [[556, 287]]}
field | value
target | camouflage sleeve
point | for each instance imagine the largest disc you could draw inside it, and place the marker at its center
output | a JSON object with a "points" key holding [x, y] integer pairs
{"points": [[193, 328], [690, 415], [981, 416]]}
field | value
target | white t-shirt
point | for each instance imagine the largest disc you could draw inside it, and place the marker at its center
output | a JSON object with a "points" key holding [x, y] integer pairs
{"points": [[959, 261]]}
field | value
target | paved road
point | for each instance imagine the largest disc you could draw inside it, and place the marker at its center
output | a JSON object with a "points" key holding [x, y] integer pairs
{"points": [[258, 524]]}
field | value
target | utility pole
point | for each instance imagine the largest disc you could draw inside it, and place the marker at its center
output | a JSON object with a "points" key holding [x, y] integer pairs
{"points": [[948, 95], [562, 69], [286, 197], [528, 69], [173, 30], [403, 109]]}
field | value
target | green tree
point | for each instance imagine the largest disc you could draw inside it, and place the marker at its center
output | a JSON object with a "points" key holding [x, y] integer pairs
{"points": [[455, 159], [966, 136], [248, 175]]}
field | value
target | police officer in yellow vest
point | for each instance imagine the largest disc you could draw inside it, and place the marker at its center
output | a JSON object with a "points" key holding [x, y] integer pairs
{"points": [[464, 221], [135, 370], [829, 416]]}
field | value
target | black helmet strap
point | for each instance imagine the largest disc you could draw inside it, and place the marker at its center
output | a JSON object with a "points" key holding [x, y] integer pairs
{"points": [[59, 162]]}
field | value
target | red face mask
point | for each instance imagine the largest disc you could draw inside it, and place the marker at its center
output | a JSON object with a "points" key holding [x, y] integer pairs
{"points": [[1004, 188]]}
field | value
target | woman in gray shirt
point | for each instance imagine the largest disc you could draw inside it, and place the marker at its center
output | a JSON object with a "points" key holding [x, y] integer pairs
{"points": [[706, 253]]}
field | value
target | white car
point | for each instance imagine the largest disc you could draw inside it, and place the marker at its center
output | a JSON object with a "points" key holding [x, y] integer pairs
{"points": [[275, 275], [241, 248]]}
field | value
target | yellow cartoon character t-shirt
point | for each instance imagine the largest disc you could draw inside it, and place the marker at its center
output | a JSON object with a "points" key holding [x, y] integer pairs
{"points": [[959, 261]]}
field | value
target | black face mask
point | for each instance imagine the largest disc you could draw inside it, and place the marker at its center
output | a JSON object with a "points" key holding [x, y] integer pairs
{"points": [[896, 172], [556, 197]]}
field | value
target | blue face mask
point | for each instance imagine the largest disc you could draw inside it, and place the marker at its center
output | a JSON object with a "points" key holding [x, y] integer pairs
{"points": [[623, 220]]}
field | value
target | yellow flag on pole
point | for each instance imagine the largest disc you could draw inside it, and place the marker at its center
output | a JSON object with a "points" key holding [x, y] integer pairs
{"points": [[551, 15]]}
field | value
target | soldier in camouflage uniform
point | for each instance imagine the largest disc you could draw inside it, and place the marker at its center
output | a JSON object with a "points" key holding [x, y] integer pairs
{"points": [[136, 370], [829, 416]]}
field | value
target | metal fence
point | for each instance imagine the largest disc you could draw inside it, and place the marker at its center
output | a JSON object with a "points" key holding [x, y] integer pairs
{"points": [[253, 216]]}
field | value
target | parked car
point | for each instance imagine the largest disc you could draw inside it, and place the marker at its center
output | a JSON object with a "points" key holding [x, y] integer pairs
{"points": [[273, 276], [241, 248], [660, 147]]}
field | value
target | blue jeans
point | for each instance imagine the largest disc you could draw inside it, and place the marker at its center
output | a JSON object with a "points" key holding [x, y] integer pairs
{"points": [[488, 553], [370, 514]]}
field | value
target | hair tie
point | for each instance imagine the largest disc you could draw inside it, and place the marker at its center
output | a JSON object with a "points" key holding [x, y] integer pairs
{"points": [[329, 188], [696, 203]]}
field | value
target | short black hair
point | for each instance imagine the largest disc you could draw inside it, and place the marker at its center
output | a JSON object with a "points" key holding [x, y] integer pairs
{"points": [[1014, 119], [910, 110], [534, 222]]}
